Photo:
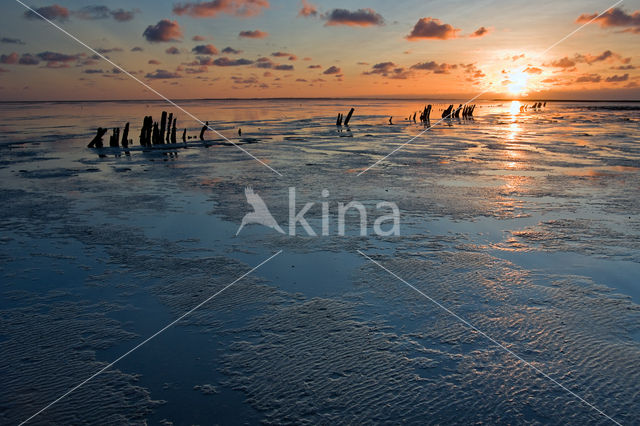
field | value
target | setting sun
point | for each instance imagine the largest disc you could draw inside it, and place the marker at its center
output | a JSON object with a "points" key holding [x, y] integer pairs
{"points": [[518, 83]]}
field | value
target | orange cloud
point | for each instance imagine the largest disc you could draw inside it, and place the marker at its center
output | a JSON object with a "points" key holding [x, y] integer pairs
{"points": [[615, 17], [241, 8], [431, 28], [253, 34], [163, 31], [205, 49], [480, 32], [308, 9]]}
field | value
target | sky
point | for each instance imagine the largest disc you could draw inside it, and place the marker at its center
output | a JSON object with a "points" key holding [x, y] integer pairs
{"points": [[291, 48]]}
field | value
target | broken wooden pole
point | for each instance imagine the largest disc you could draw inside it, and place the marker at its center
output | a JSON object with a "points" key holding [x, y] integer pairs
{"points": [[125, 136], [163, 126], [339, 120], [156, 134], [184, 136], [169, 123], [204, 129], [96, 142], [346, 120], [173, 131], [114, 139]]}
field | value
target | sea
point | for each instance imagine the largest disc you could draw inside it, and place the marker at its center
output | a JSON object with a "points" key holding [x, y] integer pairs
{"points": [[500, 285]]}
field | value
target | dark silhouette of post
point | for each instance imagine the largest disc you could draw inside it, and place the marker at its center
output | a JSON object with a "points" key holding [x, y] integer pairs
{"points": [[169, 123], [115, 137], [163, 127], [204, 129], [125, 136], [346, 120], [184, 136], [156, 134], [173, 131], [96, 142]]}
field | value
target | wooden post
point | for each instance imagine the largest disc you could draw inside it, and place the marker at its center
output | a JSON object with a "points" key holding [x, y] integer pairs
{"points": [[156, 134], [163, 126], [96, 142], [346, 120], [114, 139], [173, 131], [125, 136], [169, 123], [184, 136], [204, 129]]}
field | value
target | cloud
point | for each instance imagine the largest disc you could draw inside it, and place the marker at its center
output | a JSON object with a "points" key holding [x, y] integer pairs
{"points": [[8, 40], [10, 59], [312, 67], [198, 38], [269, 64], [226, 62], [431, 28], [58, 57], [516, 57], [92, 71], [105, 51], [163, 31], [615, 17], [308, 9], [231, 51], [563, 63], [480, 32], [617, 78], [533, 70], [390, 70], [28, 59], [205, 49], [154, 62], [163, 75], [253, 34], [291, 56], [137, 49], [172, 51], [435, 67], [589, 78], [52, 13], [607, 55], [332, 70], [122, 15], [361, 17], [473, 72], [210, 9]]}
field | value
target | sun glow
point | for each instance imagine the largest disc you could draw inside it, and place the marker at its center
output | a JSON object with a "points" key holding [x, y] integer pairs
{"points": [[518, 83]]}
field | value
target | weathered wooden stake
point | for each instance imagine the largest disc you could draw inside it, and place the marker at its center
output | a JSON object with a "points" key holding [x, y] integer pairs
{"points": [[96, 142], [346, 120]]}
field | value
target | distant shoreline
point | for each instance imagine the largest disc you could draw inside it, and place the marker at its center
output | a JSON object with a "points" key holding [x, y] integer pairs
{"points": [[324, 99]]}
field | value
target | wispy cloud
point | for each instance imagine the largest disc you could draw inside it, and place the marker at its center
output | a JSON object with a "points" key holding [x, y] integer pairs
{"points": [[211, 9]]}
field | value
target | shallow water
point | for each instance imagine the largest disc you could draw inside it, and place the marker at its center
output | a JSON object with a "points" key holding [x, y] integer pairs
{"points": [[524, 224]]}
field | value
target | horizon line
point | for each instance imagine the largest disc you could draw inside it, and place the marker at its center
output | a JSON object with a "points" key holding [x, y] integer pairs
{"points": [[281, 98]]}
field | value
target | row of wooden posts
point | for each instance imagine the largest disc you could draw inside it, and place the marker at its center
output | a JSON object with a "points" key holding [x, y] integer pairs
{"points": [[152, 133]]}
